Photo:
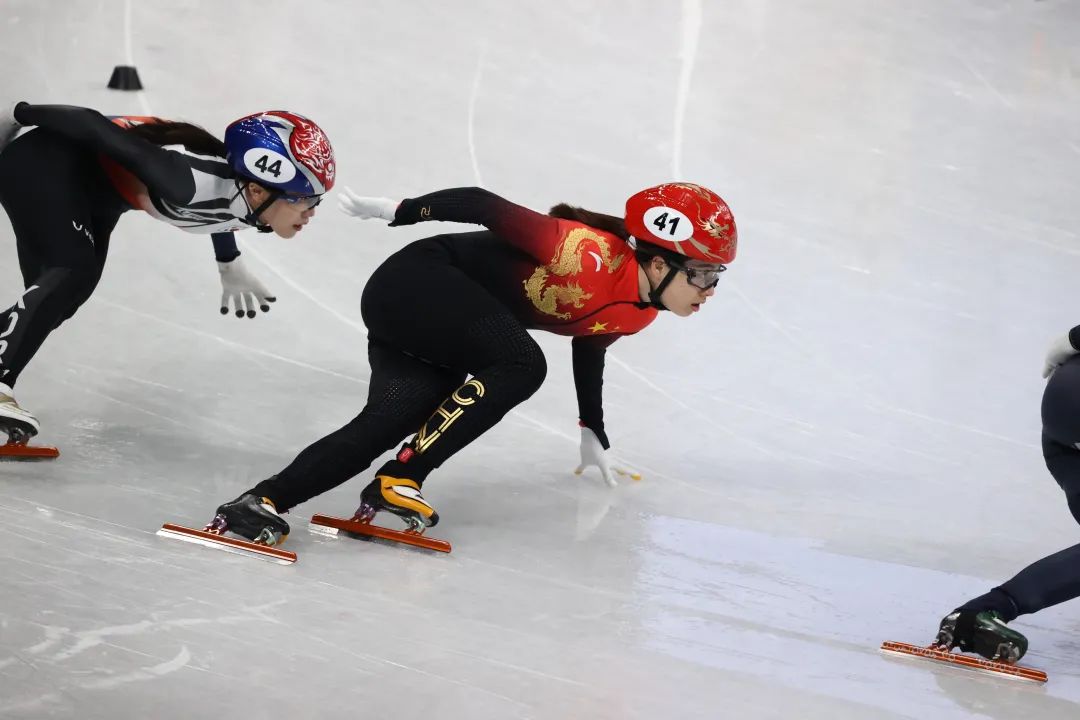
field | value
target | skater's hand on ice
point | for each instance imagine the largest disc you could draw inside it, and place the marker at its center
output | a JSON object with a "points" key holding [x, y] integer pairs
{"points": [[593, 453], [1060, 351], [241, 290], [366, 208]]}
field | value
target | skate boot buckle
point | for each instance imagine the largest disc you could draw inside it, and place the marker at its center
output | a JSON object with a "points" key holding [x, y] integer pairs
{"points": [[17, 436], [415, 524], [217, 526], [365, 513], [268, 537]]}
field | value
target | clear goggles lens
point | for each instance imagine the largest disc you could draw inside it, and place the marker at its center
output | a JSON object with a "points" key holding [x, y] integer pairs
{"points": [[704, 276], [310, 201]]}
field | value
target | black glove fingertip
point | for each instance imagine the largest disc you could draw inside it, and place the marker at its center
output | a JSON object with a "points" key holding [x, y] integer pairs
{"points": [[224, 311], [239, 313], [270, 299], [264, 308], [250, 313]]}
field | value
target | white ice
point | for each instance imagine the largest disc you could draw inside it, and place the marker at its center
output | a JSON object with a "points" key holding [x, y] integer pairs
{"points": [[840, 449]]}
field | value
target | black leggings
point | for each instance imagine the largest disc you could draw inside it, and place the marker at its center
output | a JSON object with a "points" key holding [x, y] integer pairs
{"points": [[430, 327], [62, 209], [1055, 578]]}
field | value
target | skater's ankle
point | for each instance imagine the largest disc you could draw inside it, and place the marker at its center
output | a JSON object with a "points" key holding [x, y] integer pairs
{"points": [[1008, 609], [394, 469], [997, 601], [278, 493], [267, 500]]}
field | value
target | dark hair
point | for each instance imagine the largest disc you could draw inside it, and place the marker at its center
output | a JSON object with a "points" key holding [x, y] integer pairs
{"points": [[192, 137], [644, 252], [600, 221]]}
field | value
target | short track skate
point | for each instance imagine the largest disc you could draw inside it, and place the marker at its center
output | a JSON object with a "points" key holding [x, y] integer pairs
{"points": [[941, 654], [17, 446], [360, 524], [213, 535]]}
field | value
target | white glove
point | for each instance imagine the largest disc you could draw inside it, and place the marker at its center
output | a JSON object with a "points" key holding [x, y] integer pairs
{"points": [[593, 453], [1060, 351], [367, 208], [240, 287], [9, 126]]}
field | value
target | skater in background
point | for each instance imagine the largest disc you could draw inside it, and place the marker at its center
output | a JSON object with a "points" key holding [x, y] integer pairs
{"points": [[448, 344], [65, 184], [979, 625]]}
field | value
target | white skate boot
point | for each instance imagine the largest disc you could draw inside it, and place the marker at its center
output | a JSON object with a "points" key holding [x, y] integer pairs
{"points": [[16, 422]]}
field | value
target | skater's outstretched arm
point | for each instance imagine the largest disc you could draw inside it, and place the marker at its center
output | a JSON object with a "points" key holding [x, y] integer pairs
{"points": [[589, 352], [165, 173], [525, 229], [588, 356], [225, 249]]}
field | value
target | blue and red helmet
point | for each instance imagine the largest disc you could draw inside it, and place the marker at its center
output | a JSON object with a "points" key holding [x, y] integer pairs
{"points": [[282, 151]]}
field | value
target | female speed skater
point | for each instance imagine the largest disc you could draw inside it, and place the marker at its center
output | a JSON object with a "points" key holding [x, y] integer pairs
{"points": [[448, 344], [979, 625], [65, 184]]}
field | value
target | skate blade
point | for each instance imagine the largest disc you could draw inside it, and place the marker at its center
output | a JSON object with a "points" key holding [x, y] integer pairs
{"points": [[375, 531], [17, 451], [228, 544], [992, 667]]}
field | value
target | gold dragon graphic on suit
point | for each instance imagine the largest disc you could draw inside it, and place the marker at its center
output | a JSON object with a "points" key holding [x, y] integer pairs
{"points": [[542, 288]]}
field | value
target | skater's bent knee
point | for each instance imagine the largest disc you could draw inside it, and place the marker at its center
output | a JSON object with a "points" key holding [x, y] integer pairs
{"points": [[77, 280], [54, 278], [1074, 505], [1061, 405], [531, 367]]}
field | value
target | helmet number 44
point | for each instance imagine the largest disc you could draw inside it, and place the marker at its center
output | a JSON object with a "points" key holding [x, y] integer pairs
{"points": [[265, 163], [668, 224], [274, 169]]}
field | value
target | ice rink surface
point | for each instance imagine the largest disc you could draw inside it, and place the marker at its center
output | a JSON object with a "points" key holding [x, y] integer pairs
{"points": [[842, 447]]}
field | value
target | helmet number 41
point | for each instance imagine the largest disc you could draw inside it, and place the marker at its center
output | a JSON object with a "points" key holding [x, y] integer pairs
{"points": [[668, 224]]}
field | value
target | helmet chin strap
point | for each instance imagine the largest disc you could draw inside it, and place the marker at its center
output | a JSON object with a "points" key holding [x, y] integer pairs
{"points": [[253, 214], [656, 292]]}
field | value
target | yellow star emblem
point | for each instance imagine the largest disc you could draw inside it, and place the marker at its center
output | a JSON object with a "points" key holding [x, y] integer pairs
{"points": [[599, 327]]}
